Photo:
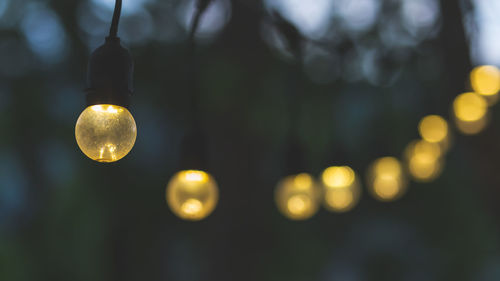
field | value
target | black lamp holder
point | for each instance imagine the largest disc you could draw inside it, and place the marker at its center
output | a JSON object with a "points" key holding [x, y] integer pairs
{"points": [[110, 69]]}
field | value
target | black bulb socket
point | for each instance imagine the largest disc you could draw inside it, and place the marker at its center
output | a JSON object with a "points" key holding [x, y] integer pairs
{"points": [[110, 75]]}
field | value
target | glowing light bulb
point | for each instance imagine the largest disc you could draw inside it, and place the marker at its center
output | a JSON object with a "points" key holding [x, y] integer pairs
{"points": [[341, 188], [470, 107], [423, 160], [105, 132], [192, 195], [485, 80], [386, 179], [433, 128], [297, 196], [472, 127]]}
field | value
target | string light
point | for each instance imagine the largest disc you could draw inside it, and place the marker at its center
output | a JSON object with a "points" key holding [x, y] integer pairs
{"points": [[470, 113], [386, 179], [423, 160], [106, 131], [469, 107], [341, 188], [433, 128], [297, 196], [485, 80], [192, 194]]}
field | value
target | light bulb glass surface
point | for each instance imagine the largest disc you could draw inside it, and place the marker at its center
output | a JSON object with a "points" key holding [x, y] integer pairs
{"points": [[472, 127], [192, 194], [470, 107], [386, 179], [341, 188], [423, 160], [297, 196], [105, 132], [433, 128], [485, 80]]}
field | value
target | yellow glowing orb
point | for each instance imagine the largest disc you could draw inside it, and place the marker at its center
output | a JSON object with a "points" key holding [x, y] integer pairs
{"points": [[192, 194], [340, 200], [386, 179], [297, 196], [338, 177], [423, 160], [423, 147], [472, 127], [470, 107], [341, 188], [424, 168], [105, 132], [433, 128], [485, 80]]}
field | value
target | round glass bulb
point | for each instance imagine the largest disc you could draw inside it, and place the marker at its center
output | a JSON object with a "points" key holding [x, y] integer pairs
{"points": [[386, 179], [470, 107], [485, 80], [423, 160], [433, 128], [341, 188], [297, 196], [192, 195], [105, 132]]}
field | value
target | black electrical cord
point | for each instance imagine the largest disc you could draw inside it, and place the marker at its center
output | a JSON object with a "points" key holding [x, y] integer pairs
{"points": [[113, 31]]}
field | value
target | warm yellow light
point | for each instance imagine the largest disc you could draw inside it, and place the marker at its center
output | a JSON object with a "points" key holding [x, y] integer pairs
{"points": [[424, 168], [105, 133], [423, 160], [338, 177], [425, 148], [192, 194], [470, 107], [433, 128], [341, 188], [297, 196], [386, 179], [471, 127], [485, 80], [340, 200]]}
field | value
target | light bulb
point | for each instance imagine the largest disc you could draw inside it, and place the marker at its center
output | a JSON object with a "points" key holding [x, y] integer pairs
{"points": [[386, 179], [433, 128], [341, 188], [105, 132], [192, 194], [423, 160], [472, 127], [470, 107], [297, 196], [485, 80]]}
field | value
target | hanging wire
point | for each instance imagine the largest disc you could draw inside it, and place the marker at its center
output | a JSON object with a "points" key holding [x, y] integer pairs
{"points": [[113, 31]]}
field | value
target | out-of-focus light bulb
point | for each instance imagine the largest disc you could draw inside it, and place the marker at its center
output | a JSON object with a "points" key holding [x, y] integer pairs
{"points": [[470, 107], [424, 160], [472, 127], [433, 128], [485, 80], [297, 196], [192, 194], [105, 132], [341, 188], [386, 179]]}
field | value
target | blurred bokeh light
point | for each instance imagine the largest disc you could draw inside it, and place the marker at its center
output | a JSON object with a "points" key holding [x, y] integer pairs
{"points": [[433, 128], [297, 196], [470, 107], [192, 195], [386, 179], [424, 160], [341, 188]]}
